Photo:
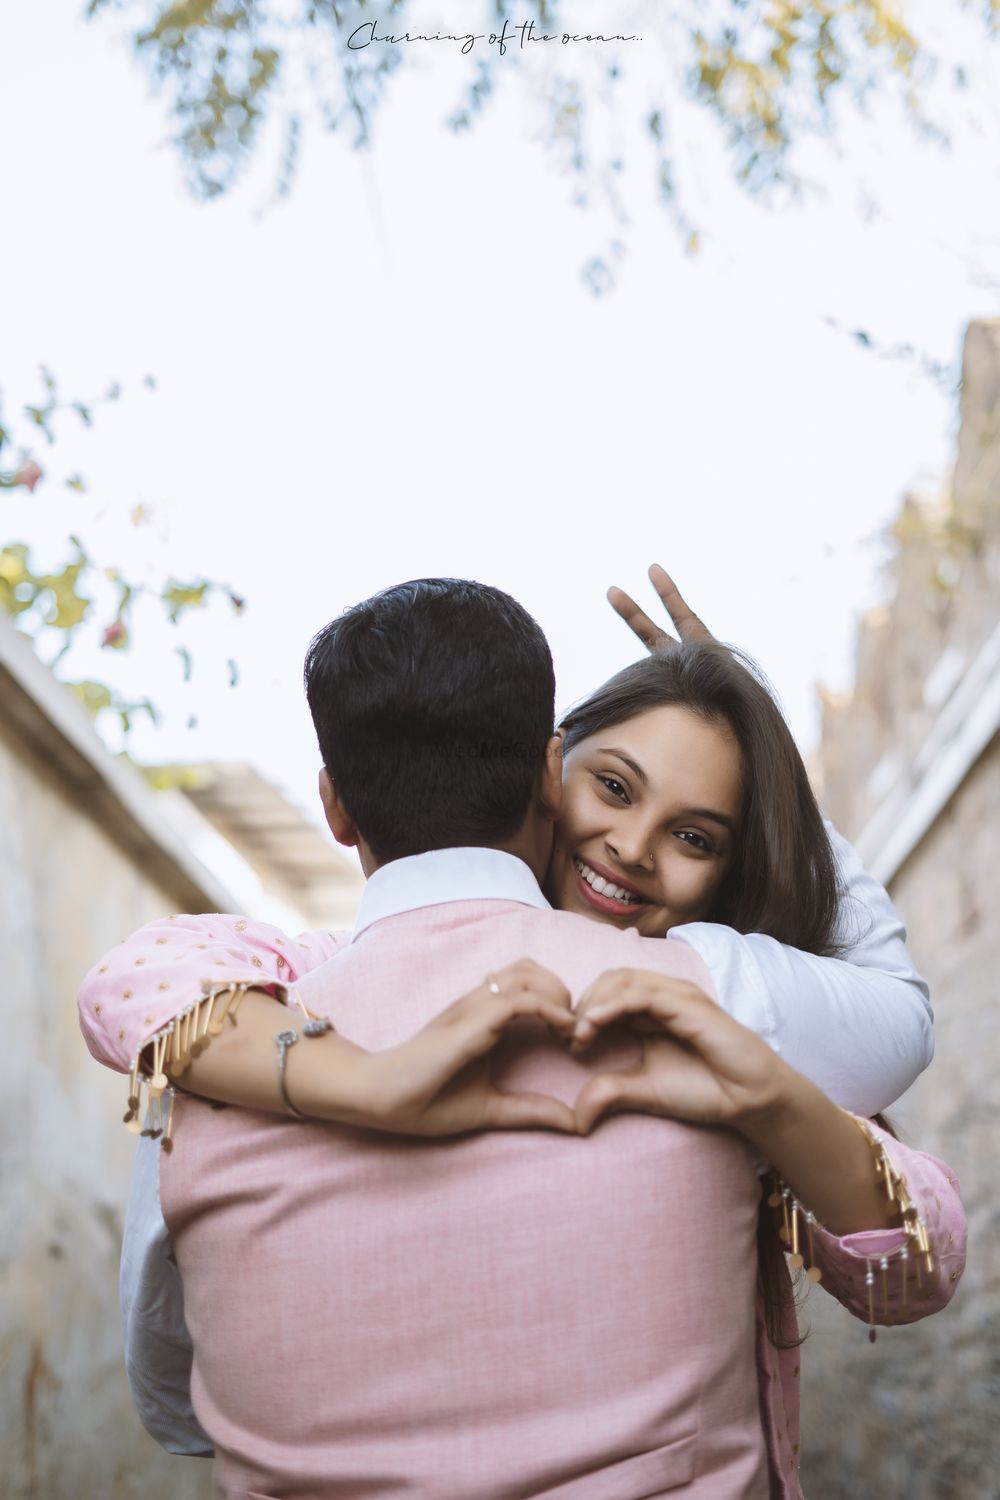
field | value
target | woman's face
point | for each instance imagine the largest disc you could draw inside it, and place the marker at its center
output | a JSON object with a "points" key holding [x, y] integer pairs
{"points": [[650, 821]]}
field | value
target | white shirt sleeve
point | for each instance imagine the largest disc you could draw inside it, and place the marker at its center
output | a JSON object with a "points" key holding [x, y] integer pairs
{"points": [[158, 1349], [860, 1026]]}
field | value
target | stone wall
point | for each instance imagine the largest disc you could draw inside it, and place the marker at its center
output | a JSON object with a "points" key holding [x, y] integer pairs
{"points": [[68, 891], [917, 1416], [943, 588]]}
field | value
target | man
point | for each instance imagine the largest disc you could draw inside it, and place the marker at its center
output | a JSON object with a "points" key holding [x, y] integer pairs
{"points": [[412, 771], [462, 1319]]}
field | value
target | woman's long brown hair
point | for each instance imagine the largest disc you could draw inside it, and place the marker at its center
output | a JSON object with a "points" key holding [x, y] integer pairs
{"points": [[783, 880]]}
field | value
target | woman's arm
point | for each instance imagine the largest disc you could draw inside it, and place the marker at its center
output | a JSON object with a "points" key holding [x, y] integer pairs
{"points": [[168, 967], [896, 1265], [885, 1277], [873, 1198], [147, 981], [813, 1010], [161, 1004], [438, 1082]]}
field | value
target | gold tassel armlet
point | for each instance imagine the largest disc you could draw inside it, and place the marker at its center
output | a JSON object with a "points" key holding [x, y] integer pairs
{"points": [[915, 1249], [164, 1058]]}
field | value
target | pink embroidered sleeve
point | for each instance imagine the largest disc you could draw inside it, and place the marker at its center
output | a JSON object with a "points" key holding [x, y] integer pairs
{"points": [[900, 1275], [169, 965]]}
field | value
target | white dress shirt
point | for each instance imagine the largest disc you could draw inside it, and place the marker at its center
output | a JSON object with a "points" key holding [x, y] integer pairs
{"points": [[814, 1011]]}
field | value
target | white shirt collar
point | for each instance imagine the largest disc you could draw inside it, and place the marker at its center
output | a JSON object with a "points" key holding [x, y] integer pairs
{"points": [[443, 875]]}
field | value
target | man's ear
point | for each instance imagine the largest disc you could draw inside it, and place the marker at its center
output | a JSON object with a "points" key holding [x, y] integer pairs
{"points": [[339, 820], [551, 778]]}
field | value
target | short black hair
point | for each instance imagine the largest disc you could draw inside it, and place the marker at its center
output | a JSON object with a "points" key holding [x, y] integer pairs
{"points": [[433, 702]]}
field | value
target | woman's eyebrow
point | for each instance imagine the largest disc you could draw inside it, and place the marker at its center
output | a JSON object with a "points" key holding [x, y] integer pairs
{"points": [[633, 766], [711, 816]]}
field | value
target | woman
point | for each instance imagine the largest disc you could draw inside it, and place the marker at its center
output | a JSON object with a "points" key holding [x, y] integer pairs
{"points": [[726, 829], [701, 805]]}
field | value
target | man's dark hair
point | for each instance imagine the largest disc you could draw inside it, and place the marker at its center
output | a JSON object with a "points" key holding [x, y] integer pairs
{"points": [[433, 702]]}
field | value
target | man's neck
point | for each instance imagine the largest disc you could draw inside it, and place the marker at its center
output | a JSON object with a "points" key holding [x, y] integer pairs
{"points": [[536, 859]]}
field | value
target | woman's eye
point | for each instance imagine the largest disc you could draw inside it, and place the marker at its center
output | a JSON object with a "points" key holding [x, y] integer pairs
{"points": [[696, 841], [614, 786]]}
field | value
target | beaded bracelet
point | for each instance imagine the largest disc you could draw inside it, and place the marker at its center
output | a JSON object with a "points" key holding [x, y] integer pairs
{"points": [[915, 1247], [318, 1026]]}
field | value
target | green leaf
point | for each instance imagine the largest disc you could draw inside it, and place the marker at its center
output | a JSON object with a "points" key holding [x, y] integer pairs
{"points": [[180, 597], [18, 586], [94, 696], [40, 417], [68, 608]]}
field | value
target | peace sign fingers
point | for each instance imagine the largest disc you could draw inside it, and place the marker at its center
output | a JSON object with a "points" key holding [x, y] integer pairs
{"points": [[687, 624]]}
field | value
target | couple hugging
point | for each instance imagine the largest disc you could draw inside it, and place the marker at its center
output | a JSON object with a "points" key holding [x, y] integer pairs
{"points": [[528, 1244]]}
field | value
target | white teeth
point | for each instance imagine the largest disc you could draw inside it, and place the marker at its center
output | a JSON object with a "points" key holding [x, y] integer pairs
{"points": [[604, 887]]}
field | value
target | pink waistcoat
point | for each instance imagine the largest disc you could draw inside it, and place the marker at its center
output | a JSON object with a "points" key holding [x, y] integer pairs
{"points": [[506, 1316]]}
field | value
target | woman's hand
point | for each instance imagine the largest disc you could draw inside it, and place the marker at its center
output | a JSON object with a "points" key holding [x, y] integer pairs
{"points": [[654, 637], [698, 1064], [439, 1083]]}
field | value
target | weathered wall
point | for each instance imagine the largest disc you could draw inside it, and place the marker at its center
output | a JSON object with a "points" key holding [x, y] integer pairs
{"points": [[917, 1416], [67, 1427], [944, 585]]}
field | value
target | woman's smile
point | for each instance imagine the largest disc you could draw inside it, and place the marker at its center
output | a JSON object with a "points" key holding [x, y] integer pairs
{"points": [[606, 892]]}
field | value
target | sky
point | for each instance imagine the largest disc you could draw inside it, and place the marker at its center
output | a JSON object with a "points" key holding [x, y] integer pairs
{"points": [[399, 369]]}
